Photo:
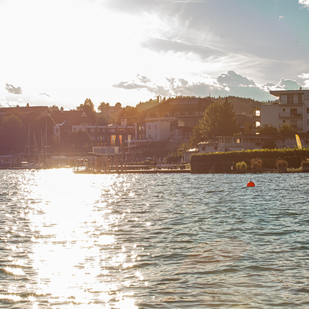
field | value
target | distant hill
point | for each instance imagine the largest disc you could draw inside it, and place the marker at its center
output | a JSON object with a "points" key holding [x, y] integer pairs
{"points": [[241, 105], [142, 106]]}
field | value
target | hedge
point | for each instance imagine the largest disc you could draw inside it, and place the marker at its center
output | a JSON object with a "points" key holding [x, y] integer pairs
{"points": [[221, 162]]}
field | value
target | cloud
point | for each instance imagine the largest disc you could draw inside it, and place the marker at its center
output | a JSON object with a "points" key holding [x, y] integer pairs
{"points": [[234, 79], [166, 45], [287, 84], [305, 76], [43, 93], [223, 85], [304, 3], [11, 99], [11, 89], [227, 84], [143, 79]]}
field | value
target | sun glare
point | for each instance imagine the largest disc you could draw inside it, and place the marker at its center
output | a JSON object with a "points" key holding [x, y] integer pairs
{"points": [[72, 245]]}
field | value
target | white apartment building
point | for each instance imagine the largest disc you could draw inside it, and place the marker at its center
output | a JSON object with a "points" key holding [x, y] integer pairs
{"points": [[158, 130], [292, 109]]}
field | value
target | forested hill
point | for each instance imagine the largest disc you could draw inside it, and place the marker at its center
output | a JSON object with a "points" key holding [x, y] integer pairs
{"points": [[142, 106], [241, 105]]}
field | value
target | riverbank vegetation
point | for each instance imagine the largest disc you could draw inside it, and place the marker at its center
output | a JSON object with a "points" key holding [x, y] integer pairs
{"points": [[256, 160]]}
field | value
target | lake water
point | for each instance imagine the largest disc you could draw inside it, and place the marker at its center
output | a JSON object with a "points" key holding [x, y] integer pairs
{"points": [[153, 241]]}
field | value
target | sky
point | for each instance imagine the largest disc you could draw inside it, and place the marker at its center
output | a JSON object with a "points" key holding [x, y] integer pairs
{"points": [[60, 52]]}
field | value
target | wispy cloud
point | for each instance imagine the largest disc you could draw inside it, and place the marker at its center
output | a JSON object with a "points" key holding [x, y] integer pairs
{"points": [[11, 89], [167, 45], [44, 94]]}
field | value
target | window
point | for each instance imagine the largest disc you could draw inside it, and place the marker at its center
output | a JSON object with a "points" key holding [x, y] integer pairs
{"points": [[290, 98], [149, 127], [293, 112], [155, 126], [283, 121], [156, 136], [257, 113], [295, 98], [283, 99], [283, 109], [307, 110]]}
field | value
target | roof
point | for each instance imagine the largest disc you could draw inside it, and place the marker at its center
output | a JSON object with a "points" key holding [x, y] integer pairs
{"points": [[277, 93], [73, 117]]}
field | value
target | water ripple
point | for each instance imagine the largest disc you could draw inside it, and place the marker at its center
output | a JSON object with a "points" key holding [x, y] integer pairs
{"points": [[153, 241]]}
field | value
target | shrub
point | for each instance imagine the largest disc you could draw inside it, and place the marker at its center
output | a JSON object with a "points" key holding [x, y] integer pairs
{"points": [[281, 164], [241, 166], [256, 163], [305, 163]]}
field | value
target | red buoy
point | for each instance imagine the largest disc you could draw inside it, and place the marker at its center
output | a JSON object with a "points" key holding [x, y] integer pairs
{"points": [[250, 184]]}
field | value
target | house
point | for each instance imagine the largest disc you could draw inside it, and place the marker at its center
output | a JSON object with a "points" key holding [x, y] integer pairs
{"points": [[250, 142], [10, 160], [158, 130], [292, 108], [242, 142], [65, 120], [208, 147], [183, 113], [109, 135]]}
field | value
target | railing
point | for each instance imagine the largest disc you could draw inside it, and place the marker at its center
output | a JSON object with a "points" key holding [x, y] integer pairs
{"points": [[289, 115]]}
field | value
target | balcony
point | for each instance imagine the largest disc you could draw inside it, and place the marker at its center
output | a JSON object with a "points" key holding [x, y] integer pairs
{"points": [[287, 115]]}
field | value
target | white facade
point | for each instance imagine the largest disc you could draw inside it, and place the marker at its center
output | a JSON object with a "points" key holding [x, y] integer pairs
{"points": [[207, 147], [158, 130], [293, 109], [187, 154], [250, 142]]}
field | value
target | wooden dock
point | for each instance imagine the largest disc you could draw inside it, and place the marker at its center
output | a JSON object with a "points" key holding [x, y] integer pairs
{"points": [[135, 171]]}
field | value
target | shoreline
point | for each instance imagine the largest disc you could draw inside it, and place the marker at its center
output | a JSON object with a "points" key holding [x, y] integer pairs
{"points": [[149, 171]]}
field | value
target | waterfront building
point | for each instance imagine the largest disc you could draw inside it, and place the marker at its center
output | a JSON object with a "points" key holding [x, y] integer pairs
{"points": [[291, 108], [183, 114], [158, 130]]}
